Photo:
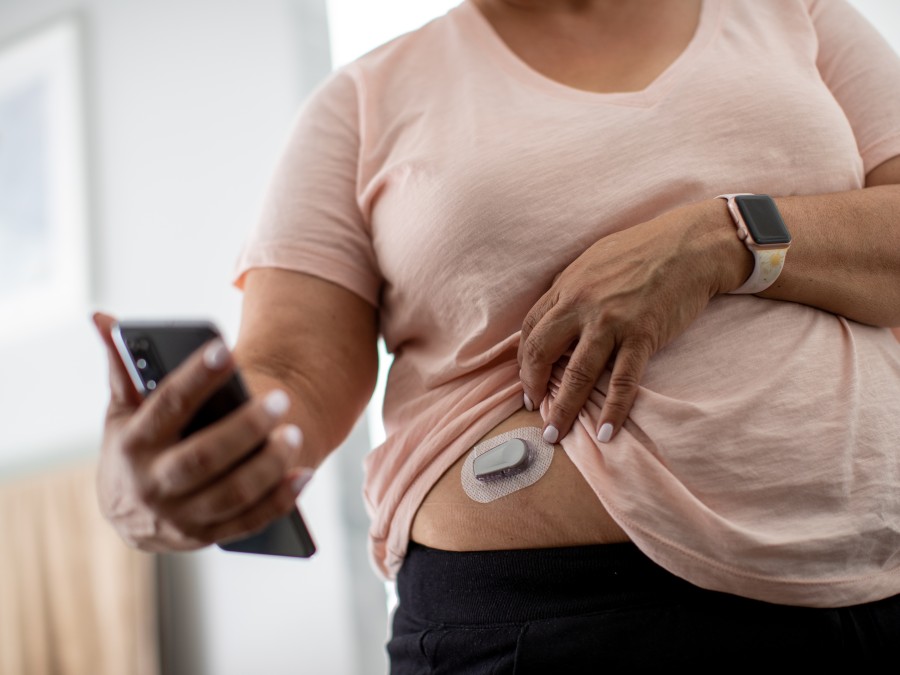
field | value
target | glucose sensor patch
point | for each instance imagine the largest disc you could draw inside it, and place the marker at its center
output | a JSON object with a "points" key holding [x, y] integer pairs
{"points": [[507, 469]]}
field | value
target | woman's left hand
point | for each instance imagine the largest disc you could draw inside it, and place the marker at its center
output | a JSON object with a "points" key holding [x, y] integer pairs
{"points": [[621, 301]]}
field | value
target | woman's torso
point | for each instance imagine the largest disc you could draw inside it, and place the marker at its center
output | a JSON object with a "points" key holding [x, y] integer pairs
{"points": [[621, 51]]}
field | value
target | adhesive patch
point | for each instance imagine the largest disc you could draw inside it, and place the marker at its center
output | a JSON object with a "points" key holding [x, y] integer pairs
{"points": [[540, 456]]}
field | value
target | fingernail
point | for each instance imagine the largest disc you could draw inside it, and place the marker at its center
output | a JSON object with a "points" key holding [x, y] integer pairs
{"points": [[605, 433], [300, 480], [216, 355], [529, 406], [551, 434], [276, 403], [293, 436]]}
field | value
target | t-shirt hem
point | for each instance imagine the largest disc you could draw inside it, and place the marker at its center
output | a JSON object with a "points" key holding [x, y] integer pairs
{"points": [[315, 263], [717, 576]]}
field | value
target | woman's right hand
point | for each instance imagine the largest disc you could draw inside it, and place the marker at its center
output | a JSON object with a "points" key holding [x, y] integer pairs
{"points": [[165, 493]]}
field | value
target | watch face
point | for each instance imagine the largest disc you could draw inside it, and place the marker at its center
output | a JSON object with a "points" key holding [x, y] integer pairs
{"points": [[763, 219]]}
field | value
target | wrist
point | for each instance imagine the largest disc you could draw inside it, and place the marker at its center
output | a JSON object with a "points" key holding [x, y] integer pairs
{"points": [[731, 261]]}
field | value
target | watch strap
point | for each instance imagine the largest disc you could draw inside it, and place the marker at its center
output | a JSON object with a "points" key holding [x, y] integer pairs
{"points": [[767, 262]]}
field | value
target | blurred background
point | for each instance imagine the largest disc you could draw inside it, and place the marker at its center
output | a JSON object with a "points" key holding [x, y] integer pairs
{"points": [[136, 142]]}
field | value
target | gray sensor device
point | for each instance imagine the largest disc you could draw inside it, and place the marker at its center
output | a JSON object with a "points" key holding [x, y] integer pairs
{"points": [[507, 459]]}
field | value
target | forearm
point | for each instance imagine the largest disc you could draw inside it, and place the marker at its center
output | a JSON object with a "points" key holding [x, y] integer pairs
{"points": [[325, 412], [315, 340], [844, 257]]}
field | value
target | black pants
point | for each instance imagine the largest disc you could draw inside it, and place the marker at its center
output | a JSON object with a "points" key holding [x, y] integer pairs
{"points": [[607, 609]]}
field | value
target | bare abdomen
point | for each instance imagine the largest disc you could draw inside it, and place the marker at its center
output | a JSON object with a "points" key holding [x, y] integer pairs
{"points": [[560, 509]]}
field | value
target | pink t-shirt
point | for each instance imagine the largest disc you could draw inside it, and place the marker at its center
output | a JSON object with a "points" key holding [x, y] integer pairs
{"points": [[447, 183]]}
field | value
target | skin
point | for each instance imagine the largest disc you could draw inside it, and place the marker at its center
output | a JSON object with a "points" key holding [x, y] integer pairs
{"points": [[604, 45], [622, 300]]}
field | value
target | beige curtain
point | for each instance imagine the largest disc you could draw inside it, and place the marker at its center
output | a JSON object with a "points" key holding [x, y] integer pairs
{"points": [[74, 599]]}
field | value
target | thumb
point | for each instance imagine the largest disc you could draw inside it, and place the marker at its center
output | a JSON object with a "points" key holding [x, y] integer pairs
{"points": [[124, 398]]}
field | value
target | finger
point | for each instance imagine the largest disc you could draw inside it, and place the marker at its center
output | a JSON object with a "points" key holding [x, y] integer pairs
{"points": [[631, 360], [238, 491], [278, 503], [180, 394], [299, 478], [533, 318], [211, 452], [543, 347], [581, 374], [123, 396], [190, 536]]}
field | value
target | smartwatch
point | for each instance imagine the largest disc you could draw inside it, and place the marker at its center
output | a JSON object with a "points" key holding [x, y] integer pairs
{"points": [[760, 227]]}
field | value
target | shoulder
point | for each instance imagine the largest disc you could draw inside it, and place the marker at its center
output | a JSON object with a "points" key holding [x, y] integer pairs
{"points": [[420, 42], [381, 85], [778, 15], [409, 58], [803, 27]]}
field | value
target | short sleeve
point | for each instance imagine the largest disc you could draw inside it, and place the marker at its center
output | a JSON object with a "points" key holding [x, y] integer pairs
{"points": [[863, 73], [311, 221]]}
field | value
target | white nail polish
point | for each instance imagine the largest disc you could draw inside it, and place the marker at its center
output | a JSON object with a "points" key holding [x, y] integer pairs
{"points": [[529, 406], [276, 403], [300, 482], [605, 433], [216, 355], [293, 436], [551, 434]]}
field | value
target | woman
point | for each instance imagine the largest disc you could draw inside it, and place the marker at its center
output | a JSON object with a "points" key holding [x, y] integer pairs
{"points": [[518, 195]]}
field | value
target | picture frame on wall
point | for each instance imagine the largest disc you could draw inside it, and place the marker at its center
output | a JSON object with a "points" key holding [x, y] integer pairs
{"points": [[44, 264]]}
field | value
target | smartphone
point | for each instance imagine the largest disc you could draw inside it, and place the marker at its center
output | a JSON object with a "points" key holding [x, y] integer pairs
{"points": [[151, 350]]}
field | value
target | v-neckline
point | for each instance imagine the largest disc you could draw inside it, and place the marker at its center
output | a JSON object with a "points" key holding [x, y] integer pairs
{"points": [[483, 30]]}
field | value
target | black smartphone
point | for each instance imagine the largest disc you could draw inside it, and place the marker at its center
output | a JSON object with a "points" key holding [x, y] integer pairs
{"points": [[151, 350]]}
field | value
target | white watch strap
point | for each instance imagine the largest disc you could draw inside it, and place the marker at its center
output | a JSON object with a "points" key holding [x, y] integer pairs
{"points": [[767, 262]]}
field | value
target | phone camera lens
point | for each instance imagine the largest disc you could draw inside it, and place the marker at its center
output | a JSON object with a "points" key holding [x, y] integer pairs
{"points": [[151, 384], [141, 363]]}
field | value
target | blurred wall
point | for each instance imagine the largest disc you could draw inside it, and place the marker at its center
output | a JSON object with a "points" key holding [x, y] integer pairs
{"points": [[187, 106]]}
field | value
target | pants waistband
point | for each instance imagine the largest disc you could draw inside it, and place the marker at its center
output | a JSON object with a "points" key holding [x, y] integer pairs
{"points": [[482, 587]]}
